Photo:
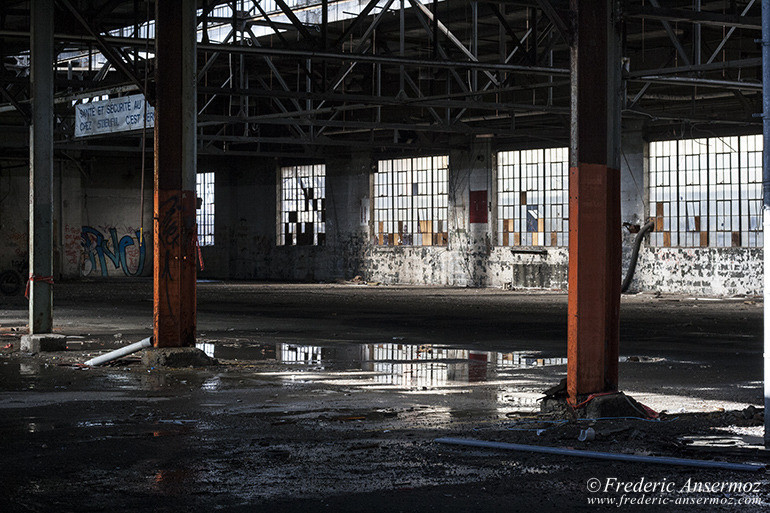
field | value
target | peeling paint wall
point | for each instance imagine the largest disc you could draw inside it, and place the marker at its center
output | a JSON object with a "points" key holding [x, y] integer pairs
{"points": [[102, 195], [700, 271], [246, 231]]}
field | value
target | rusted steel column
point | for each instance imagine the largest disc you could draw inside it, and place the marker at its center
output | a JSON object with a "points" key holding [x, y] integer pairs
{"points": [[175, 230], [594, 201], [41, 169]]}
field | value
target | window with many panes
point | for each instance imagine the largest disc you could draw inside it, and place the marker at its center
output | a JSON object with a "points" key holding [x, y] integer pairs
{"points": [[411, 201], [303, 206], [533, 197], [706, 192], [205, 215]]}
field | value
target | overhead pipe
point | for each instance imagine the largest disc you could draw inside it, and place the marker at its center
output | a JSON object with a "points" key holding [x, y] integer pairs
{"points": [[119, 353], [766, 202], [635, 255], [597, 455]]}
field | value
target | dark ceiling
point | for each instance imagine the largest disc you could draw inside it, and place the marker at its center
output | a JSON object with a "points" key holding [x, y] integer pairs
{"points": [[312, 90]]}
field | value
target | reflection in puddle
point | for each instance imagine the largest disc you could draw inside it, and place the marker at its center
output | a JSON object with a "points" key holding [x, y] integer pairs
{"points": [[89, 423], [389, 364], [212, 384], [311, 355]]}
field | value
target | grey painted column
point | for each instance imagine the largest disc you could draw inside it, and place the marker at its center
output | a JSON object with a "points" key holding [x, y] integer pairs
{"points": [[41, 169], [766, 204]]}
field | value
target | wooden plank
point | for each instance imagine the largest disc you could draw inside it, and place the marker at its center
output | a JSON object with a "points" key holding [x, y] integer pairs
{"points": [[697, 223], [541, 225], [506, 236], [554, 239], [736, 239], [704, 239], [659, 217], [523, 198], [534, 238], [517, 239], [667, 239]]}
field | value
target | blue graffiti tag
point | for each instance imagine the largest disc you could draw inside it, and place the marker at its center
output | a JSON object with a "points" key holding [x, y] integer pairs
{"points": [[96, 246]]}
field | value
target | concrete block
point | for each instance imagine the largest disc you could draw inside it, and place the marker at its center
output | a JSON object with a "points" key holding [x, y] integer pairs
{"points": [[176, 357], [43, 343]]}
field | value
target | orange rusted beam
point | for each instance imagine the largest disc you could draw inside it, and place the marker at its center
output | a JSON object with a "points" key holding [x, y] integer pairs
{"points": [[594, 280], [174, 273], [594, 202], [175, 229]]}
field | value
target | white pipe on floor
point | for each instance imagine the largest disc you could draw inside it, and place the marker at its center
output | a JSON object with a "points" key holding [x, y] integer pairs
{"points": [[660, 460], [118, 353]]}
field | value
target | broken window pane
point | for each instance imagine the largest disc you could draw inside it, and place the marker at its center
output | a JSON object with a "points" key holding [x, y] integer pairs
{"points": [[303, 206]]}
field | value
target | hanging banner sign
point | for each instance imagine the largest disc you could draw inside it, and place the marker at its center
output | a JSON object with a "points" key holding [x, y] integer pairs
{"points": [[113, 115]]}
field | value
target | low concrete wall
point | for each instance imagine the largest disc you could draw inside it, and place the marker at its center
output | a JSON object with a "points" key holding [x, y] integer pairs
{"points": [[700, 271]]}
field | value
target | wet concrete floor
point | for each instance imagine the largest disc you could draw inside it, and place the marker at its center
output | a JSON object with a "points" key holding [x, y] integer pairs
{"points": [[329, 397]]}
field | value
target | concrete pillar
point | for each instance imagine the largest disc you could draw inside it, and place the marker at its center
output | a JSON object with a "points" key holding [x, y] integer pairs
{"points": [[175, 229], [632, 189], [594, 205], [348, 213], [41, 170], [470, 193]]}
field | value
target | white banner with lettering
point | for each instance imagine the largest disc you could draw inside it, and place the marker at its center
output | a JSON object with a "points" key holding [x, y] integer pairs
{"points": [[113, 115]]}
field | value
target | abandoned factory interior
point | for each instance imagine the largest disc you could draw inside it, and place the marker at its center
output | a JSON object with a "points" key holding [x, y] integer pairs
{"points": [[384, 255]]}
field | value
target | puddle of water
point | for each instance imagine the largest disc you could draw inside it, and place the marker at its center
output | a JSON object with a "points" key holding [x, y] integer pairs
{"points": [[413, 368]]}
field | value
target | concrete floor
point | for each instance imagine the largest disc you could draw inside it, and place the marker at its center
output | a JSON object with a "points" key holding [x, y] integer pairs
{"points": [[329, 397]]}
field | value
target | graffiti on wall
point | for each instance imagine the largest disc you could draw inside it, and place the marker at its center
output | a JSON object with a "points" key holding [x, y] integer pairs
{"points": [[102, 245], [18, 242]]}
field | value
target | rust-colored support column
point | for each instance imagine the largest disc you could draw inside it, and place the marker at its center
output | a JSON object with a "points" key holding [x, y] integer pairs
{"points": [[175, 230], [594, 201]]}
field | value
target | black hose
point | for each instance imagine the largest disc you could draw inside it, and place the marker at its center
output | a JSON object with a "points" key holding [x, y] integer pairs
{"points": [[635, 255]]}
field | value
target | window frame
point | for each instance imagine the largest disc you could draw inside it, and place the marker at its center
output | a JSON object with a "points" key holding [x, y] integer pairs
{"points": [[314, 215], [418, 187], [207, 211], [545, 167]]}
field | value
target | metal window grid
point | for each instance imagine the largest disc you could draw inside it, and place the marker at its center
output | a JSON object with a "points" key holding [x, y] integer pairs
{"points": [[706, 192], [303, 206], [533, 197], [204, 186], [411, 201]]}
